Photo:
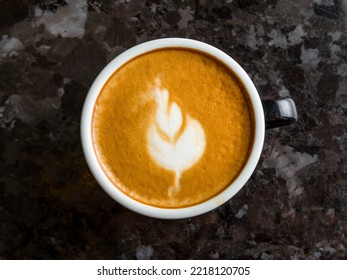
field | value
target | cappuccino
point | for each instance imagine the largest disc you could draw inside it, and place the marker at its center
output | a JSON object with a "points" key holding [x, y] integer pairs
{"points": [[173, 127]]}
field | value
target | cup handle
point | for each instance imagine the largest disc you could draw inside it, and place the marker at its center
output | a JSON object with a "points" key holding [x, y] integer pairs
{"points": [[279, 112]]}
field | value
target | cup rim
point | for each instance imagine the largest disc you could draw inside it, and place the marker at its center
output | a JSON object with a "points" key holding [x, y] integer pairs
{"points": [[171, 213]]}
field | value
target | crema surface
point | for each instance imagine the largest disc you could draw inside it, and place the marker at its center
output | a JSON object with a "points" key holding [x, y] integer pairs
{"points": [[172, 128]]}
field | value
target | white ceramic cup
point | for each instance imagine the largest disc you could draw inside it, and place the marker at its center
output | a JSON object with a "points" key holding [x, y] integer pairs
{"points": [[166, 213]]}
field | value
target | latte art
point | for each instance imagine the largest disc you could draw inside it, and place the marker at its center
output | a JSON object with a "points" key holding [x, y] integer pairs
{"points": [[172, 147], [172, 128]]}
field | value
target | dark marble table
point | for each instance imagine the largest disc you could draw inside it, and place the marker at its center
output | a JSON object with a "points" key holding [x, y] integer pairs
{"points": [[293, 207]]}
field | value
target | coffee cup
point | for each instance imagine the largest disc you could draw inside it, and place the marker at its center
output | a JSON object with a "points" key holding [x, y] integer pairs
{"points": [[173, 128]]}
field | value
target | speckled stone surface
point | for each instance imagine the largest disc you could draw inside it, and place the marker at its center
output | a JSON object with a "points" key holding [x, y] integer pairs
{"points": [[293, 207]]}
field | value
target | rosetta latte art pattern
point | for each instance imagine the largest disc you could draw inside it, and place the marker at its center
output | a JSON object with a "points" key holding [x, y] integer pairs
{"points": [[174, 143], [172, 128]]}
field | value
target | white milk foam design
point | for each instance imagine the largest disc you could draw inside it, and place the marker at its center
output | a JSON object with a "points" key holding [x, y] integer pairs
{"points": [[170, 149]]}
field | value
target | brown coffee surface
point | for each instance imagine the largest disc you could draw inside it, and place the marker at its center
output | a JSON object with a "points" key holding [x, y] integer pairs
{"points": [[204, 90]]}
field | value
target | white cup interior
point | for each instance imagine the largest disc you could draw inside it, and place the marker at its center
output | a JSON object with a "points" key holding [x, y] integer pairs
{"points": [[171, 213]]}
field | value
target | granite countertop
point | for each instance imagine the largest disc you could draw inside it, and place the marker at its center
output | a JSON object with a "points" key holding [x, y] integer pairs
{"points": [[293, 207]]}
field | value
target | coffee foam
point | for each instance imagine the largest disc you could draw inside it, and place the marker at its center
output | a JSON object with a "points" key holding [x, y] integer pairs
{"points": [[194, 93], [173, 145]]}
